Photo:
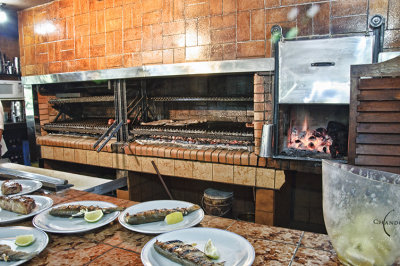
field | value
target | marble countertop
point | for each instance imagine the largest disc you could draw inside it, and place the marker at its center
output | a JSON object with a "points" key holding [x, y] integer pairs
{"points": [[115, 245]]}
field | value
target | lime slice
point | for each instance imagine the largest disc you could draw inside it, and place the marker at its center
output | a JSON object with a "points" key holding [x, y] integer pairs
{"points": [[174, 218], [24, 240], [210, 250], [93, 216]]}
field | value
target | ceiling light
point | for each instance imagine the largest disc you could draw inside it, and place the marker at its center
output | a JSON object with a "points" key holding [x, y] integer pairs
{"points": [[3, 14]]}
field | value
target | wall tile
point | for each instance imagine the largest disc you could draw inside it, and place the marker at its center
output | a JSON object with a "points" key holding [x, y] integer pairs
{"points": [[265, 178], [349, 24], [258, 24], [184, 168], [222, 173], [349, 7], [166, 166], [243, 30], [202, 171], [243, 175], [251, 49], [147, 166], [393, 17], [133, 163]]}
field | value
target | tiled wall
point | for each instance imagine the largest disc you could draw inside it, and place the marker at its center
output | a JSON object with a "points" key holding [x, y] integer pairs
{"points": [[77, 35]]}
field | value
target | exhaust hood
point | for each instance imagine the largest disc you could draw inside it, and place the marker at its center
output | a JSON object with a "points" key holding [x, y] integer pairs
{"points": [[318, 71]]}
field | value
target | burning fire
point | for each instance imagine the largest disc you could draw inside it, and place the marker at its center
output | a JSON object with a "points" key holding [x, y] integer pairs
{"points": [[305, 139]]}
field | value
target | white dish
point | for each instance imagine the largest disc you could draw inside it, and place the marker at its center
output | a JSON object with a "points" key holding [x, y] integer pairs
{"points": [[53, 224], [9, 234], [190, 220], [42, 203], [233, 249], [28, 186]]}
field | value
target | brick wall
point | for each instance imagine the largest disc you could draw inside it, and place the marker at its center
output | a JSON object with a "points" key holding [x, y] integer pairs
{"points": [[78, 35]]}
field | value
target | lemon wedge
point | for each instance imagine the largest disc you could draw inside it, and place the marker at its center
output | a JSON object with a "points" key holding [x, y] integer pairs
{"points": [[93, 216], [210, 250], [24, 240], [174, 218]]}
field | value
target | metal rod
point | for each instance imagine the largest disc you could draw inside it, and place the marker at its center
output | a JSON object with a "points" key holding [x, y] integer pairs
{"points": [[110, 136], [58, 116], [162, 180], [276, 29], [134, 107], [105, 134]]}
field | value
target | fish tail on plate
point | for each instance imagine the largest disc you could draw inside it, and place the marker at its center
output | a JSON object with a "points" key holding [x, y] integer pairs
{"points": [[157, 214], [7, 254], [184, 254]]}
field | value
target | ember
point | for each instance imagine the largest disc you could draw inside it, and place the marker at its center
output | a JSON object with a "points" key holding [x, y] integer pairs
{"points": [[331, 140], [305, 139]]}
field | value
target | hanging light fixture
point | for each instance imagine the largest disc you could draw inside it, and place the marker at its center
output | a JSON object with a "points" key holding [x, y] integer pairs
{"points": [[3, 14]]}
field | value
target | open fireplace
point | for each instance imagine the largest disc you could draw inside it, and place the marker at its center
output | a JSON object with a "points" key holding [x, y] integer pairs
{"points": [[315, 131], [312, 95]]}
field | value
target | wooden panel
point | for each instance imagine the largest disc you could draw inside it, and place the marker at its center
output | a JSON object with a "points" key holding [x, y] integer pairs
{"points": [[378, 139], [379, 106], [378, 160], [379, 95], [378, 149], [393, 128], [379, 117], [379, 83]]}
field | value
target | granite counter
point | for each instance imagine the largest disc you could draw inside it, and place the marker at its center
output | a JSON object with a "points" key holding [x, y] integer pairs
{"points": [[116, 245]]}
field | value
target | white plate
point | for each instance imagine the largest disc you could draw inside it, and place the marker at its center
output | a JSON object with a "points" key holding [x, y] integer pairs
{"points": [[233, 249], [190, 220], [42, 203], [53, 224], [9, 234], [28, 186]]}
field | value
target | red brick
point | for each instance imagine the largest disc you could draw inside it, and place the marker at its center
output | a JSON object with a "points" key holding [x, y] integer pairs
{"points": [[179, 9], [200, 155], [215, 7], [214, 155], [151, 18], [251, 49], [229, 51], [152, 57], [258, 24], [186, 154], [191, 32], [243, 30], [223, 36], [250, 4], [174, 153], [203, 33], [207, 155], [229, 6], [193, 155], [173, 28], [198, 10], [229, 157]]}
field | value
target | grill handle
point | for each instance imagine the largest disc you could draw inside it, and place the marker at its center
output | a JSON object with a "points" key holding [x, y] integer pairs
{"points": [[105, 134], [322, 64], [110, 136]]}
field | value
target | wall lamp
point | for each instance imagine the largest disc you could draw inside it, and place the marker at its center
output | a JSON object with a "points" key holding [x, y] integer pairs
{"points": [[3, 13]]}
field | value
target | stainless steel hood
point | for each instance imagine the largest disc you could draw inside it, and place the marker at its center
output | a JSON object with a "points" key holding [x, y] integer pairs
{"points": [[166, 70], [318, 71]]}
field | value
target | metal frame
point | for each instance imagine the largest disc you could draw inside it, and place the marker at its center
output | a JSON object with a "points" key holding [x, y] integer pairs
{"points": [[167, 70]]}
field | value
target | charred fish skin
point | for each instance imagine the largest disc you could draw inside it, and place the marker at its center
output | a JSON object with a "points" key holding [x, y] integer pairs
{"points": [[157, 215], [77, 211], [7, 254], [184, 254]]}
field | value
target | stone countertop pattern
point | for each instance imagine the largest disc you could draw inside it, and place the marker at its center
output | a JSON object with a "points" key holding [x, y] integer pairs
{"points": [[116, 245]]}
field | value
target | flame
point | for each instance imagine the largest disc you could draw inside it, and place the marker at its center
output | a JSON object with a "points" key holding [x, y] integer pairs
{"points": [[305, 139]]}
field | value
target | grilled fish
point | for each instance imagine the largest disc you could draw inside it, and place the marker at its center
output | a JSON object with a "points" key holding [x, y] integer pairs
{"points": [[157, 214], [18, 204], [9, 187], [184, 254], [7, 254], [79, 210]]}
